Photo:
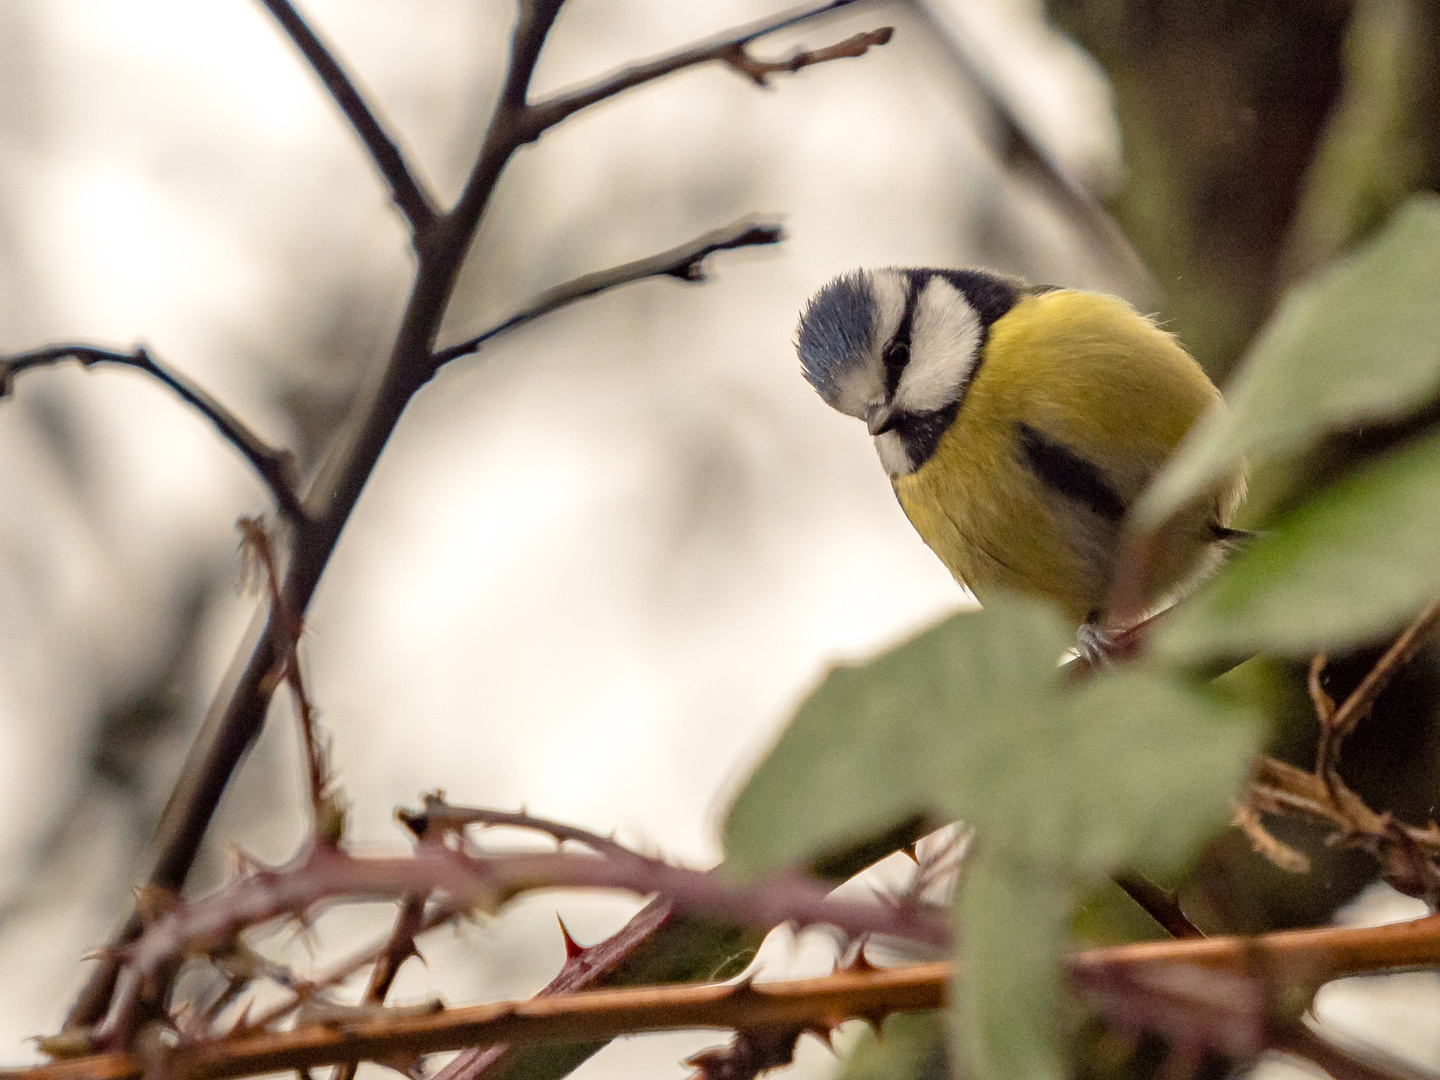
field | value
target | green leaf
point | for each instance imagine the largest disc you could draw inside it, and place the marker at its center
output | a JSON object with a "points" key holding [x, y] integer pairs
{"points": [[972, 721], [910, 1046], [1351, 563], [1004, 1019], [951, 680], [1360, 343]]}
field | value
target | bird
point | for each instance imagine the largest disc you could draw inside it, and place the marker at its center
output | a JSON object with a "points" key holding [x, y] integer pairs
{"points": [[1018, 424]]}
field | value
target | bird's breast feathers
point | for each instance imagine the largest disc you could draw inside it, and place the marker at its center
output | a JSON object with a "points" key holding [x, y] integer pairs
{"points": [[1075, 404]]}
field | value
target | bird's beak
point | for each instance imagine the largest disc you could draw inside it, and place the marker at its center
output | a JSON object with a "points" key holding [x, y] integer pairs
{"points": [[879, 420]]}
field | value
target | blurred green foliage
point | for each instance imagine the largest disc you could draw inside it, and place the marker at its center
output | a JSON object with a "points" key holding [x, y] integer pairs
{"points": [[972, 720]]}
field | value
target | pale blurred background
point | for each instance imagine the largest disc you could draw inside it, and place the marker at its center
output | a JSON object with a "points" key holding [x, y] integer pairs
{"points": [[600, 561]]}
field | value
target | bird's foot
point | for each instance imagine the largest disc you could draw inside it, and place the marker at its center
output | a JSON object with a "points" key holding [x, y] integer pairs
{"points": [[1097, 646]]}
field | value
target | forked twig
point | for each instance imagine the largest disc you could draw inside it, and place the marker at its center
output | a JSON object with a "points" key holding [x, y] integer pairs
{"points": [[1357, 706], [441, 246], [728, 49], [1409, 855]]}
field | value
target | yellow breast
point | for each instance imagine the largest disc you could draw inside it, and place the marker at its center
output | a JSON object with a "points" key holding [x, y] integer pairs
{"points": [[1084, 373]]}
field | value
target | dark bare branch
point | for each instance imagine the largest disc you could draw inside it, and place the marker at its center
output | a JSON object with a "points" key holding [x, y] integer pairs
{"points": [[412, 199], [275, 467], [685, 263], [728, 49], [1161, 905], [536, 19], [238, 711], [1342, 1062], [1357, 706]]}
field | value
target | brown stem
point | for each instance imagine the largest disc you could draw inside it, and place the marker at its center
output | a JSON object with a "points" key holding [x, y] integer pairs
{"points": [[1407, 854], [685, 262], [1294, 960], [337, 973], [405, 189], [660, 944], [275, 467], [597, 1014]]}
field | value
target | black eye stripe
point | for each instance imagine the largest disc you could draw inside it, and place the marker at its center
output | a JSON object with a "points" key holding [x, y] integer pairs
{"points": [[896, 353]]}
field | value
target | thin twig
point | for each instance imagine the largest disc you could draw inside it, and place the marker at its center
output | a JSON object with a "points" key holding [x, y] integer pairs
{"points": [[305, 989], [275, 467], [326, 807], [1266, 844], [486, 882], [440, 815], [727, 48], [1358, 704], [398, 948], [759, 71], [1409, 855], [685, 263], [1160, 904], [405, 189]]}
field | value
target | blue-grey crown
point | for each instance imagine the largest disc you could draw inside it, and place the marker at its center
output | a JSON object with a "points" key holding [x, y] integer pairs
{"points": [[836, 330]]}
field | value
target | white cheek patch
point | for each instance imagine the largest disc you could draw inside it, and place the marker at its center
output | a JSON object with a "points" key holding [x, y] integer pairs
{"points": [[893, 454], [889, 290], [944, 346]]}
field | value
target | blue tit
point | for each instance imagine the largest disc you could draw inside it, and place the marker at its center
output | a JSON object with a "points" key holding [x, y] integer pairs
{"points": [[1017, 424]]}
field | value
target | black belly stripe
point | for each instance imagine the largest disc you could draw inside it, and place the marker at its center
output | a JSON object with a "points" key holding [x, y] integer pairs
{"points": [[1067, 473]]}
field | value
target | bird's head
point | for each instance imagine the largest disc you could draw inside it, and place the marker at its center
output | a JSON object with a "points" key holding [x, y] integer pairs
{"points": [[897, 348]]}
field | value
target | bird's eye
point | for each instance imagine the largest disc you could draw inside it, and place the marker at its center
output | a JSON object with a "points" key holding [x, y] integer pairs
{"points": [[897, 354]]}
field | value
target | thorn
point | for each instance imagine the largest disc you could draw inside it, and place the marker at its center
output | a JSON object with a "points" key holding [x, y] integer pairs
{"points": [[573, 949], [913, 851], [242, 1022], [825, 1035], [859, 964], [152, 903], [742, 986]]}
